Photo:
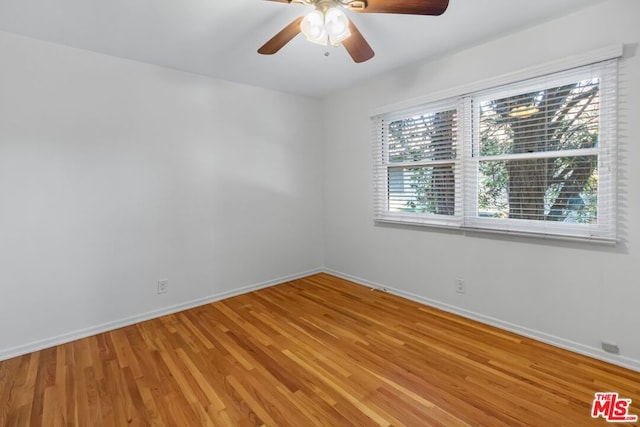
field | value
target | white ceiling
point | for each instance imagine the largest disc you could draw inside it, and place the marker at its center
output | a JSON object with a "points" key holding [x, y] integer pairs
{"points": [[219, 38]]}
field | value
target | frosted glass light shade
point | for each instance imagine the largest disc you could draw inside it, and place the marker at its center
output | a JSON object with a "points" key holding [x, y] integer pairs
{"points": [[336, 24], [313, 27]]}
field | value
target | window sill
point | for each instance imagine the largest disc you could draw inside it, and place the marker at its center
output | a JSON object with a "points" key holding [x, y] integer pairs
{"points": [[467, 229]]}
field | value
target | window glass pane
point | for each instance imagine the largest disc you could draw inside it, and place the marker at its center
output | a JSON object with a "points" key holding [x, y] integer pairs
{"points": [[553, 189], [423, 189], [430, 136], [555, 119]]}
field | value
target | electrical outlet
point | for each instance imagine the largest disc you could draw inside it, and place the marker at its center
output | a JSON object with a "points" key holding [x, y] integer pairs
{"points": [[610, 347], [163, 286], [460, 287]]}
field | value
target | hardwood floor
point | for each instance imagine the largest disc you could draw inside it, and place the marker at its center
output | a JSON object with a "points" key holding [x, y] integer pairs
{"points": [[315, 351]]}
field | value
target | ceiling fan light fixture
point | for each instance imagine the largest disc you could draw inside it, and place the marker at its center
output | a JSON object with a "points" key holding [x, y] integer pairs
{"points": [[336, 24], [313, 27], [332, 26]]}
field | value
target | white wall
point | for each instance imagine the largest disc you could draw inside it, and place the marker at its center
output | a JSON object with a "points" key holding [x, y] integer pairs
{"points": [[571, 294], [114, 174]]}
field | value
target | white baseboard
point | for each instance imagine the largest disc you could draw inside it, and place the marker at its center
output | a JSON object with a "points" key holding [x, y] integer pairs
{"points": [[594, 352], [109, 326]]}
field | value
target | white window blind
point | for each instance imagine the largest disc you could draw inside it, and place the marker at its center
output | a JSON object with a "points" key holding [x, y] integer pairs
{"points": [[417, 170], [533, 157], [542, 155]]}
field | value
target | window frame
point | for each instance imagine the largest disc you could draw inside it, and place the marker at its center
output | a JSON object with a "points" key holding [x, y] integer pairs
{"points": [[467, 164], [382, 166]]}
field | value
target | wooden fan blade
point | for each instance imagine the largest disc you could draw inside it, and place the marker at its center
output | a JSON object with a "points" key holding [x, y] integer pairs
{"points": [[278, 41], [357, 46], [408, 7]]}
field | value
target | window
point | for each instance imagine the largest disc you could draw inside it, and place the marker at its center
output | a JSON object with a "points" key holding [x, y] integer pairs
{"points": [[420, 160], [537, 156]]}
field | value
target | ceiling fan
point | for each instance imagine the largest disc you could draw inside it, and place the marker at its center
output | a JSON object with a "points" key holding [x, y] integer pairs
{"points": [[328, 24]]}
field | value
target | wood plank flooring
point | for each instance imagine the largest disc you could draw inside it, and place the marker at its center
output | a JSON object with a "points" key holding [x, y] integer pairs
{"points": [[316, 351]]}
